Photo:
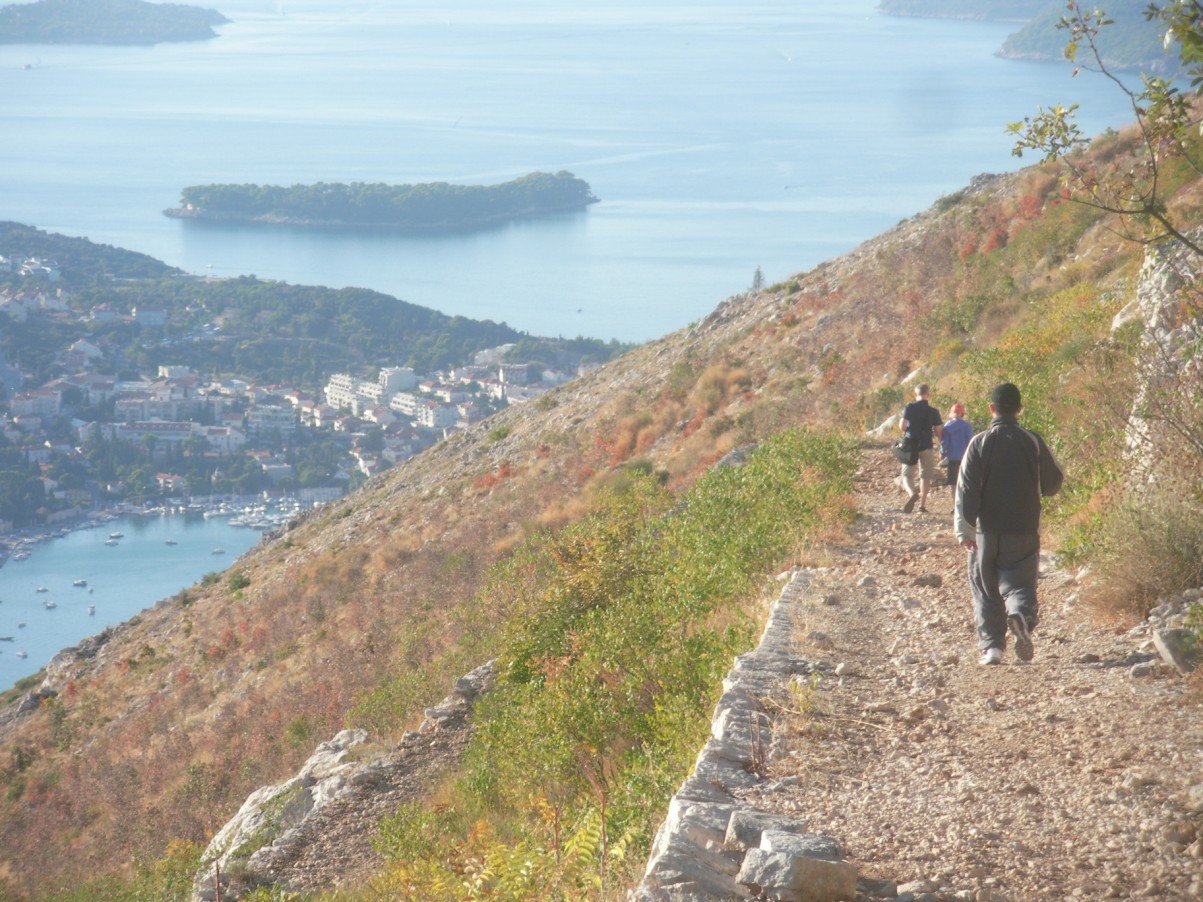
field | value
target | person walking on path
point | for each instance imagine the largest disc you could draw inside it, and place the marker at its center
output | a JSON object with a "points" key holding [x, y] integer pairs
{"points": [[954, 439], [1005, 472], [921, 424]]}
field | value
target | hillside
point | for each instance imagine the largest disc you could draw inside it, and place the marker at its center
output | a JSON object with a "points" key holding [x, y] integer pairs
{"points": [[1132, 43], [146, 741]]}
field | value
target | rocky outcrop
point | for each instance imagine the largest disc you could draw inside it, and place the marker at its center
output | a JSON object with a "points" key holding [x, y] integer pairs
{"points": [[1166, 305], [315, 830]]}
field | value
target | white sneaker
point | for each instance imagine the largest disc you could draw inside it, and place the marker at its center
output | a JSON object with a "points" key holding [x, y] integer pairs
{"points": [[992, 656]]}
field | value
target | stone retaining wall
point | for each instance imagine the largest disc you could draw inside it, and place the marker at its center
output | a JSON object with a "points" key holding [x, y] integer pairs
{"points": [[710, 846]]}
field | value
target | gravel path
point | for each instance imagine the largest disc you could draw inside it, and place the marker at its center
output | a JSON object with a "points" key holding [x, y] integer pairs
{"points": [[1065, 778]]}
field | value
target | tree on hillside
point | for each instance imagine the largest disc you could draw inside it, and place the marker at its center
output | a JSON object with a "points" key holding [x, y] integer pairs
{"points": [[1133, 186]]}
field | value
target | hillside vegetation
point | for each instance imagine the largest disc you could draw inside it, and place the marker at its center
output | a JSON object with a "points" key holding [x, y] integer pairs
{"points": [[258, 329], [592, 545], [1131, 43]]}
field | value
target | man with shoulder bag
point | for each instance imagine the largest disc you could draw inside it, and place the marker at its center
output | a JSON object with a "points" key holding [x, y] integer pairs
{"points": [[922, 425]]}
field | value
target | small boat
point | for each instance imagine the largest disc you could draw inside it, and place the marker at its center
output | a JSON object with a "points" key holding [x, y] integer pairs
{"points": [[41, 589], [169, 542], [6, 638], [218, 551], [116, 535], [21, 625], [51, 604], [79, 582], [22, 654], [91, 609], [110, 541]]}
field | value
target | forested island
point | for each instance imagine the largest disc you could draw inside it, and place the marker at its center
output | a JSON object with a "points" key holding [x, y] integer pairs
{"points": [[432, 206], [105, 22]]}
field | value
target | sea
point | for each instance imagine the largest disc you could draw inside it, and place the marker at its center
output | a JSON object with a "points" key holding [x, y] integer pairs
{"points": [[724, 138], [75, 585], [721, 136]]}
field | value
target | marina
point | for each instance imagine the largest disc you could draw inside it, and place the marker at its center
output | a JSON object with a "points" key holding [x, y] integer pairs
{"points": [[60, 585]]}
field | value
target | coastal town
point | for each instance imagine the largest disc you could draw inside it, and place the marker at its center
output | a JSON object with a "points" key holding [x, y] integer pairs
{"points": [[101, 437]]}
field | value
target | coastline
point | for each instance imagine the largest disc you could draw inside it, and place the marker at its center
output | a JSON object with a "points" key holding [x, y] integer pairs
{"points": [[19, 542], [437, 226], [252, 511]]}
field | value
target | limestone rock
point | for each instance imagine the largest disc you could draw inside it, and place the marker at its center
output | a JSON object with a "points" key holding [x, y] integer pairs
{"points": [[269, 812], [746, 826], [791, 878], [1178, 649]]}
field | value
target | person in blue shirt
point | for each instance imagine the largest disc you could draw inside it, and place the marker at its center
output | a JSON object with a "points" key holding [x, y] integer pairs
{"points": [[954, 440]]}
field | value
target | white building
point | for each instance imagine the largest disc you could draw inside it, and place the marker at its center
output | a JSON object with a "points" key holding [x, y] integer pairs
{"points": [[225, 439], [340, 390], [406, 403], [433, 415], [39, 402], [268, 419], [397, 378]]}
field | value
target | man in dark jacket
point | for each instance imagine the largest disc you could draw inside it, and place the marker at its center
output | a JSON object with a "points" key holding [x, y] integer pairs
{"points": [[920, 422], [1005, 472]]}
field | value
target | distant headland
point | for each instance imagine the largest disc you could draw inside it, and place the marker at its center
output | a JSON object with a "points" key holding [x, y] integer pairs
{"points": [[105, 22], [433, 206], [1131, 42]]}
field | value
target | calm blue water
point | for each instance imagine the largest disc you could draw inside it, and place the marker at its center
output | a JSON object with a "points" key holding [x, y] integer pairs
{"points": [[721, 135], [122, 580]]}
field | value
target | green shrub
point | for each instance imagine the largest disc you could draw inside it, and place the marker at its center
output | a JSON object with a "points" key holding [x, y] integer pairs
{"points": [[165, 879], [238, 580], [618, 632]]}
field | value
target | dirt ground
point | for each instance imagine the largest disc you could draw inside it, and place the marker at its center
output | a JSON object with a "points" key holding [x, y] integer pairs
{"points": [[1065, 778]]}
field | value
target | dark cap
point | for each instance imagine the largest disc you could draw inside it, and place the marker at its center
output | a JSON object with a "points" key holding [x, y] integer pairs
{"points": [[1005, 396]]}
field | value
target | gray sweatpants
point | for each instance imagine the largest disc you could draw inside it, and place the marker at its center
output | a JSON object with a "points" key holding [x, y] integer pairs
{"points": [[1002, 576]]}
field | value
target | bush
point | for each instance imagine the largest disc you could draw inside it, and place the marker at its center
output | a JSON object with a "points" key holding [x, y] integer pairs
{"points": [[238, 580], [618, 631], [1150, 540], [166, 879], [1150, 544]]}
